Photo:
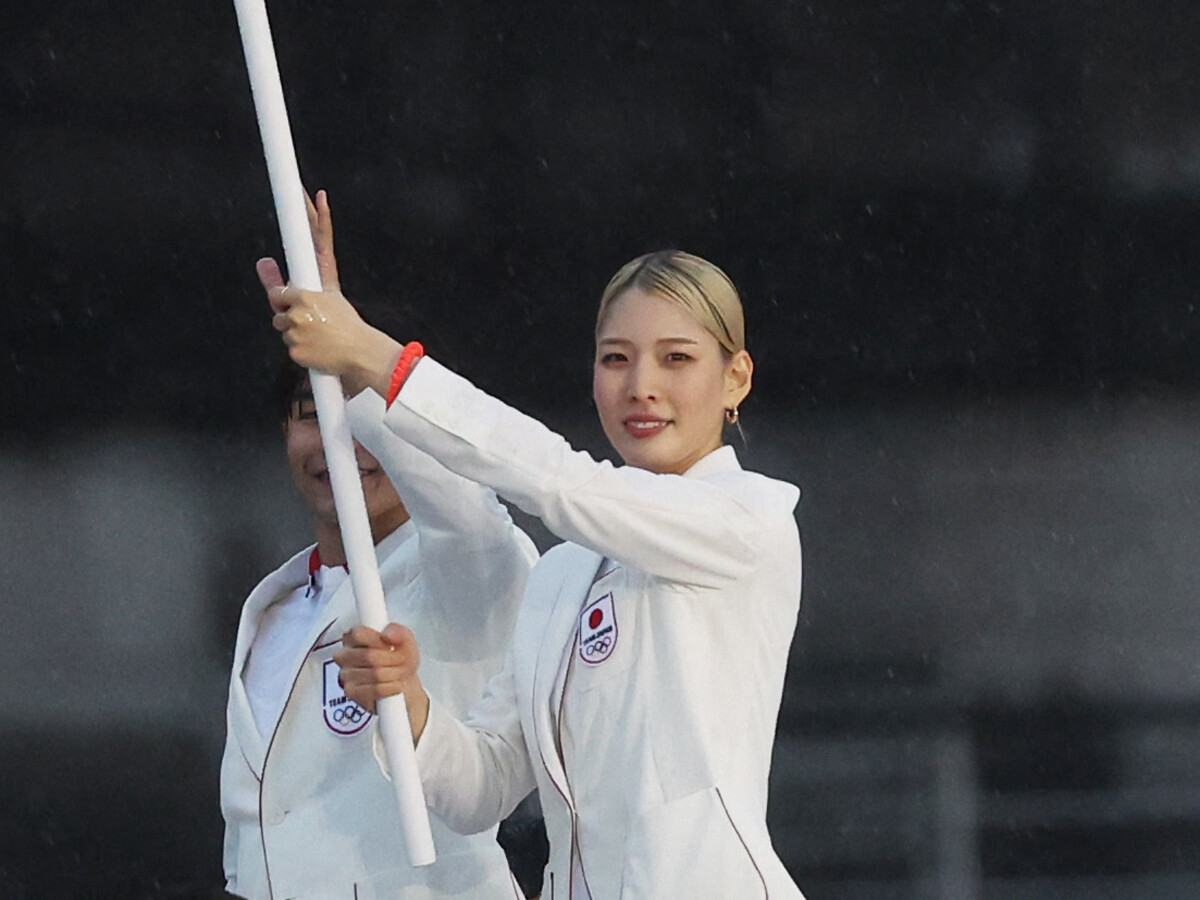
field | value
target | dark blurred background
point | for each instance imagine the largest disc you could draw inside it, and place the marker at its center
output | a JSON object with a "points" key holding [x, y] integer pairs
{"points": [[965, 233]]}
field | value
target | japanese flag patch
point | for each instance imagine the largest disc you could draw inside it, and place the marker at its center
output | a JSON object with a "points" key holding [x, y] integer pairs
{"points": [[342, 715], [597, 631]]}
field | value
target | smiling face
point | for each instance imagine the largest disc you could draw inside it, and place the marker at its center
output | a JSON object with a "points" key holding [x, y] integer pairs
{"points": [[662, 383], [306, 459]]}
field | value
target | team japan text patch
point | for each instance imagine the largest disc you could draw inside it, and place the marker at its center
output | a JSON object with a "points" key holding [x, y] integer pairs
{"points": [[342, 715], [598, 631]]}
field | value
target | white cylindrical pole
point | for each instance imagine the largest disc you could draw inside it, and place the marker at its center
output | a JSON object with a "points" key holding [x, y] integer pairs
{"points": [[331, 412]]}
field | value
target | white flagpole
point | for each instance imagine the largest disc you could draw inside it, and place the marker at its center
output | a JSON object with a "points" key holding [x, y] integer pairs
{"points": [[331, 413]]}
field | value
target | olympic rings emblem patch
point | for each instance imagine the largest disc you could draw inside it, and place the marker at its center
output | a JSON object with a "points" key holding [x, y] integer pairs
{"points": [[598, 648], [342, 715], [598, 630], [348, 714]]}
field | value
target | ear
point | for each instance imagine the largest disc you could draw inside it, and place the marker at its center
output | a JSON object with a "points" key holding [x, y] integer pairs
{"points": [[739, 375]]}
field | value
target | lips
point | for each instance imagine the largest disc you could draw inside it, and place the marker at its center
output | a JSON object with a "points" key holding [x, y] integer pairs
{"points": [[644, 426], [323, 474]]}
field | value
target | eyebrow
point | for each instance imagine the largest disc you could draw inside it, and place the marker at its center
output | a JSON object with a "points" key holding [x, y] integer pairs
{"points": [[670, 340]]}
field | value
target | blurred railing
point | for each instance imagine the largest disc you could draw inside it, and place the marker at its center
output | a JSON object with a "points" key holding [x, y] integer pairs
{"points": [[912, 793]]}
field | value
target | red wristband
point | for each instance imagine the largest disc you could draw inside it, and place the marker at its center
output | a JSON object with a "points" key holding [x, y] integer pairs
{"points": [[412, 351]]}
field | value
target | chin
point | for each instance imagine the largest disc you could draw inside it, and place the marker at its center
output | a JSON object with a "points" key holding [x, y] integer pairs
{"points": [[647, 461]]}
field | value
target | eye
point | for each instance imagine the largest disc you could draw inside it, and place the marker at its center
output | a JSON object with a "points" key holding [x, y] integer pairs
{"points": [[613, 356], [677, 356]]}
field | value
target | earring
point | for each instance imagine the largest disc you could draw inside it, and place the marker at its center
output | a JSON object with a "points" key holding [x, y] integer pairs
{"points": [[732, 415]]}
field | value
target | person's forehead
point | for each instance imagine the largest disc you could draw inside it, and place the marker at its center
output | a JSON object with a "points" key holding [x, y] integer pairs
{"points": [[642, 315]]}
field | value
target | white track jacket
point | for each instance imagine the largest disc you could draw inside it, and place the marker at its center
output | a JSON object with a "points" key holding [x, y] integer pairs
{"points": [[309, 815], [647, 666]]}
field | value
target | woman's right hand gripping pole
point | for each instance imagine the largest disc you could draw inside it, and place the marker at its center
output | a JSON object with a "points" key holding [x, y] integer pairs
{"points": [[381, 664]]}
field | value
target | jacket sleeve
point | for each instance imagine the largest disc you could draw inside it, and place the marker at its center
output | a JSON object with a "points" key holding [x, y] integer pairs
{"points": [[475, 772], [701, 531], [473, 559]]}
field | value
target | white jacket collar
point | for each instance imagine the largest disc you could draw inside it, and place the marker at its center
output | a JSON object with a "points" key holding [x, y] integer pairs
{"points": [[723, 459]]}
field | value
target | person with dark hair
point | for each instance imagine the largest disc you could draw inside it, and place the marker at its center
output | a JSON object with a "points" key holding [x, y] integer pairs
{"points": [[644, 681], [307, 810]]}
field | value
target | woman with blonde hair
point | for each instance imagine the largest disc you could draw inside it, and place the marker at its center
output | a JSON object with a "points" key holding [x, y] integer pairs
{"points": [[642, 688]]}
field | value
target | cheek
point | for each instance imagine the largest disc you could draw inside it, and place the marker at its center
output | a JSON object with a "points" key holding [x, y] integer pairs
{"points": [[302, 442], [602, 391], [294, 454], [297, 450], [384, 496], [705, 391]]}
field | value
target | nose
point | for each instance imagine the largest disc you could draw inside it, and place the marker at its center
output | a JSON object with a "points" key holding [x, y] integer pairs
{"points": [[642, 381]]}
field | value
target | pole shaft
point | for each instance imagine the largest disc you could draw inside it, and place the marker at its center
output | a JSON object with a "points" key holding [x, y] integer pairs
{"points": [[288, 191]]}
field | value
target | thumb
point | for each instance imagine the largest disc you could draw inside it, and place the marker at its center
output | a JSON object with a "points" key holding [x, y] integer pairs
{"points": [[396, 635], [272, 279], [269, 274]]}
